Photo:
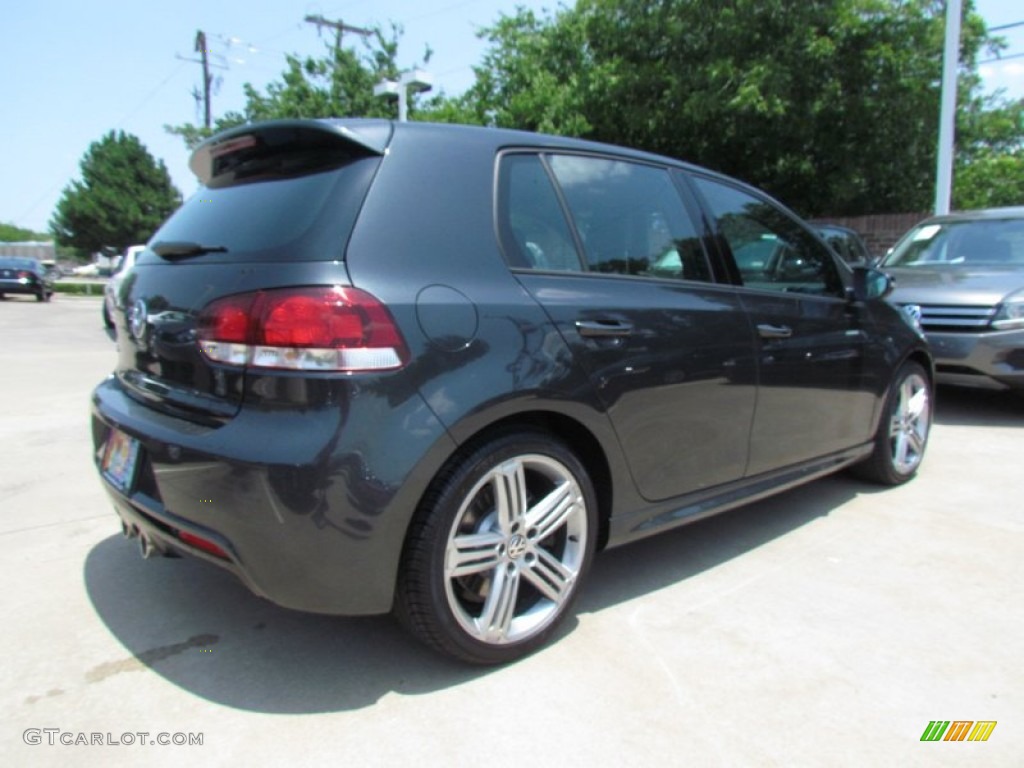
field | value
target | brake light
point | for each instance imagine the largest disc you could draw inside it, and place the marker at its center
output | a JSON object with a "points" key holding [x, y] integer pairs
{"points": [[308, 329], [23, 275]]}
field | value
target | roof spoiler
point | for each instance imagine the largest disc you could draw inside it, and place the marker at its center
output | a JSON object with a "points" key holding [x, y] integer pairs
{"points": [[372, 136]]}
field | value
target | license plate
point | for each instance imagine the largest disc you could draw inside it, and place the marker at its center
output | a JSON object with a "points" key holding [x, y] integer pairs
{"points": [[119, 459]]}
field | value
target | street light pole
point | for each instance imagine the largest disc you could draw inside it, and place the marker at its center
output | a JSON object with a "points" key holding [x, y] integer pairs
{"points": [[416, 81], [947, 112]]}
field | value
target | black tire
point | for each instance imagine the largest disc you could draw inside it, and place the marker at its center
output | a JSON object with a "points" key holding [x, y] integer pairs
{"points": [[902, 430], [108, 321], [41, 296], [537, 552]]}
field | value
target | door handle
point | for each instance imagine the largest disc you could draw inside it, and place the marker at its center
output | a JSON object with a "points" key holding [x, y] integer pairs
{"points": [[603, 328], [767, 331]]}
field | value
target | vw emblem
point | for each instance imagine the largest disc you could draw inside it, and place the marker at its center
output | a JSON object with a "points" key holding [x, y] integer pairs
{"points": [[516, 546], [913, 311], [137, 320], [913, 314]]}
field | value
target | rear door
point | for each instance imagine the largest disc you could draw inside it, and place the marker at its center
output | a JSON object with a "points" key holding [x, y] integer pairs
{"points": [[609, 249], [815, 392]]}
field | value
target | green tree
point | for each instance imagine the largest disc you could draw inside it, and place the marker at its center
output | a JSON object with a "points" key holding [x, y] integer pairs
{"points": [[123, 196], [533, 77], [12, 233], [339, 84], [989, 167], [832, 105]]}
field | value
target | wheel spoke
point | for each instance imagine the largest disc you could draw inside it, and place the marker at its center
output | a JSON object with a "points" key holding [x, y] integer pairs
{"points": [[549, 576], [510, 496], [551, 512], [473, 553], [917, 404], [499, 608], [899, 453], [916, 440]]}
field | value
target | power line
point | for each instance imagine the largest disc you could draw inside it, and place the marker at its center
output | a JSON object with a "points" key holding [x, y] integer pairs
{"points": [[1006, 26], [1001, 58]]}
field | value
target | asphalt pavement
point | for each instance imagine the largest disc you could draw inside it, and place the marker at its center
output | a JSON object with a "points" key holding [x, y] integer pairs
{"points": [[828, 626]]}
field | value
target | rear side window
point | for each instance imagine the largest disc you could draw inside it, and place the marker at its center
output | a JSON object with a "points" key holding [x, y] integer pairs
{"points": [[628, 217], [537, 236], [283, 205]]}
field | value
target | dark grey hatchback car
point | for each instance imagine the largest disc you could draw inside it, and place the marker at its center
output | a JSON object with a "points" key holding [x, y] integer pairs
{"points": [[432, 369]]}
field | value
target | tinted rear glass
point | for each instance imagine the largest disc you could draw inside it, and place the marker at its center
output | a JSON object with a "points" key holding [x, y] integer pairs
{"points": [[294, 216]]}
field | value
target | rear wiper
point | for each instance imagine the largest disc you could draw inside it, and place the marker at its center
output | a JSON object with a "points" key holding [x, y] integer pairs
{"points": [[178, 249]]}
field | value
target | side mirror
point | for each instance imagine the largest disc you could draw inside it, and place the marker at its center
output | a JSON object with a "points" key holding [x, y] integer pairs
{"points": [[870, 283]]}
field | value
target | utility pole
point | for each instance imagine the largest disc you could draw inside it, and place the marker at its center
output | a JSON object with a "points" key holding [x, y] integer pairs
{"points": [[204, 52], [207, 79], [339, 28]]}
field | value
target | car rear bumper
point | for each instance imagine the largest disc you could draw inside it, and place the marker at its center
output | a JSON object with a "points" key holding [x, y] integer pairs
{"points": [[30, 287], [992, 360], [294, 504]]}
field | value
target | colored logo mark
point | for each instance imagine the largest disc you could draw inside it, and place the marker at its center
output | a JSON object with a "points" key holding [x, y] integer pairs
{"points": [[958, 730]]}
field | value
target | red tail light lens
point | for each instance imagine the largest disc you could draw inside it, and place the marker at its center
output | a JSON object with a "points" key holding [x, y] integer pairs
{"points": [[204, 544], [23, 275], [311, 329]]}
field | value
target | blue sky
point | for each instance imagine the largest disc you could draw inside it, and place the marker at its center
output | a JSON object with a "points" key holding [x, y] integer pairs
{"points": [[73, 71]]}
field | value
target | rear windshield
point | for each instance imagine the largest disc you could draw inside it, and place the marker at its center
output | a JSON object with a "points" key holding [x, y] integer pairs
{"points": [[19, 263], [986, 242], [282, 213]]}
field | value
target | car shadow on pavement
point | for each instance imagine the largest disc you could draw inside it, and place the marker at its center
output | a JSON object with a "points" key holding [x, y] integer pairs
{"points": [[641, 568], [200, 629], [961, 406]]}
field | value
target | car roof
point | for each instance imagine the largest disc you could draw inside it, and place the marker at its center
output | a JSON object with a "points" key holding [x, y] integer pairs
{"points": [[836, 228], [20, 261], [376, 135], [982, 214]]}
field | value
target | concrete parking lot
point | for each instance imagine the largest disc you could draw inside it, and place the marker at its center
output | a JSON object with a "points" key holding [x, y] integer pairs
{"points": [[825, 627]]}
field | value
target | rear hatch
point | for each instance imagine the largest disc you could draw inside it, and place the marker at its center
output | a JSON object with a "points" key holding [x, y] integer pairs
{"points": [[276, 208]]}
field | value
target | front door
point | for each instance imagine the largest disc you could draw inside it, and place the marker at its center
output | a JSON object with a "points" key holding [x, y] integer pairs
{"points": [[814, 390]]}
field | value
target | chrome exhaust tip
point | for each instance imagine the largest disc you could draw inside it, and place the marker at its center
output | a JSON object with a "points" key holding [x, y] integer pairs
{"points": [[146, 547], [128, 531]]}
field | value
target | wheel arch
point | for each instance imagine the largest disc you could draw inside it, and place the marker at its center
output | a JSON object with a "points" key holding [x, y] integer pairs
{"points": [[577, 437]]}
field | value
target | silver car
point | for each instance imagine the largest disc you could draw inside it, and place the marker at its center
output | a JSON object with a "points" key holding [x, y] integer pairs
{"points": [[112, 286], [963, 275]]}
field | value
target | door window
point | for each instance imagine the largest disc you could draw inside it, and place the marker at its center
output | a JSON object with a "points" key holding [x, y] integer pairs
{"points": [[629, 218], [771, 249]]}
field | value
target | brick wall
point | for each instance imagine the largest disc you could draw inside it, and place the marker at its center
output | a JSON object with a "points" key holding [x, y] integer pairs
{"points": [[880, 231]]}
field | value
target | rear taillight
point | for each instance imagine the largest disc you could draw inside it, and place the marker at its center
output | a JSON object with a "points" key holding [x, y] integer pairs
{"points": [[24, 275], [204, 544], [307, 329]]}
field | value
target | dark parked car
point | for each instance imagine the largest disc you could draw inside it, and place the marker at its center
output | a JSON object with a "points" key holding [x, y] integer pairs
{"points": [[21, 275], [846, 242], [963, 275], [432, 369]]}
